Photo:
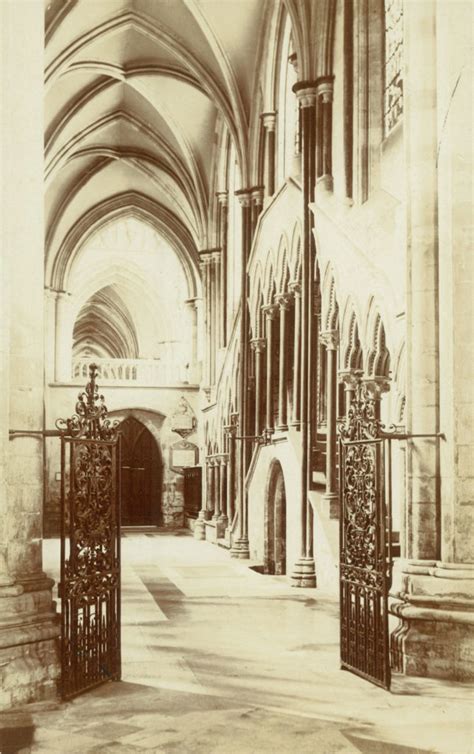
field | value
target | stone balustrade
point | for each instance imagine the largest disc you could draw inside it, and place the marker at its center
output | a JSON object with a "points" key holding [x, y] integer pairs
{"points": [[136, 371]]}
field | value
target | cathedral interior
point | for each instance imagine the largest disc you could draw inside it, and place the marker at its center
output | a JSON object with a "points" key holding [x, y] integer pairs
{"points": [[236, 376]]}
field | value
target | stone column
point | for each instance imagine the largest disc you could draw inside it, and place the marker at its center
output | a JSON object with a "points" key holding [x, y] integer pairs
{"points": [[258, 345], [29, 664], [63, 360], [435, 586], [295, 288], [240, 547], [230, 496], [217, 339], [204, 265], [350, 378], [283, 302], [325, 87], [216, 503], [50, 334], [223, 517], [269, 123], [330, 339], [204, 513], [270, 311], [304, 573], [222, 198], [257, 204]]}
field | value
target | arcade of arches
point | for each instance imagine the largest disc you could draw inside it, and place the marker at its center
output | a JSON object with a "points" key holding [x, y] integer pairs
{"points": [[248, 214]]}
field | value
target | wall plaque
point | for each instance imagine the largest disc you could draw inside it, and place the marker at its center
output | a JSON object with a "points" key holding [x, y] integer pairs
{"points": [[183, 454]]}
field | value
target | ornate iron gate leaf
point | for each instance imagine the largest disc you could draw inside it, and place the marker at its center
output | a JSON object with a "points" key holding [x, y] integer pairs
{"points": [[365, 561], [90, 545]]}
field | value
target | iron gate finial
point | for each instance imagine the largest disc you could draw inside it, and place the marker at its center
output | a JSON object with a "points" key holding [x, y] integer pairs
{"points": [[91, 417]]}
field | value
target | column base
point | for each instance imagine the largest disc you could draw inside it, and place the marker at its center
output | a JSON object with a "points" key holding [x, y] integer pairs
{"points": [[434, 603], [332, 502], [240, 549], [29, 652], [304, 573], [200, 525]]}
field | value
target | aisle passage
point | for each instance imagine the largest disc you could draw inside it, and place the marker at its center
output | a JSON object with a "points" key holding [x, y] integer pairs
{"points": [[219, 658]]}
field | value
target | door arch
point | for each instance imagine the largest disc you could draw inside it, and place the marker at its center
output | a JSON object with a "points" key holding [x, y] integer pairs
{"points": [[275, 522], [142, 471]]}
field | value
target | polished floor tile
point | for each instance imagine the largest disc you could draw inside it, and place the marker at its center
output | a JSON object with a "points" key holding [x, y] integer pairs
{"points": [[219, 659]]}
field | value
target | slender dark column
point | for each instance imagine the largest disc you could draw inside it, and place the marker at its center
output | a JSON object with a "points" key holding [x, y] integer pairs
{"points": [[257, 204], [283, 302], [330, 339], [304, 571], [240, 547], [270, 312], [295, 288], [222, 198], [258, 345], [269, 122]]}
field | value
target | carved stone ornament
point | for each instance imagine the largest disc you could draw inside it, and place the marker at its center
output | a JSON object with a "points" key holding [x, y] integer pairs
{"points": [[183, 420]]}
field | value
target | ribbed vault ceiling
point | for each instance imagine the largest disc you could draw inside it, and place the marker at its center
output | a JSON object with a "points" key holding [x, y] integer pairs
{"points": [[135, 90]]}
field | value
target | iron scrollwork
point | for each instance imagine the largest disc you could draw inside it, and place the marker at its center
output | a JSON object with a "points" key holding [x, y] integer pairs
{"points": [[90, 419], [364, 567], [90, 543]]}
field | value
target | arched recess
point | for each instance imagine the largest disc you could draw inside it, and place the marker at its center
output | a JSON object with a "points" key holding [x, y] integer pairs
{"points": [[142, 475], [275, 522]]}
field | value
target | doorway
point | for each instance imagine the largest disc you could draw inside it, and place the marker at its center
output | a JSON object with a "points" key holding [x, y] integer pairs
{"points": [[142, 471], [275, 529]]}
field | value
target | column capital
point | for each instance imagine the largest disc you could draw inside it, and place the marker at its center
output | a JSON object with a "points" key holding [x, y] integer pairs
{"points": [[295, 288], [269, 120], [325, 88], [205, 257], [257, 194], [283, 300], [270, 310], [258, 344], [330, 338], [375, 386], [244, 196], [216, 255], [306, 93], [350, 377], [222, 198]]}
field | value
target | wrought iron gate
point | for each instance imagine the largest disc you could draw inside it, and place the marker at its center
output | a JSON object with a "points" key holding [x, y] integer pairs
{"points": [[90, 545], [365, 547]]}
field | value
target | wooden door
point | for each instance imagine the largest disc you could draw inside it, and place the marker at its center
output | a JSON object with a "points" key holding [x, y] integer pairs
{"points": [[141, 476]]}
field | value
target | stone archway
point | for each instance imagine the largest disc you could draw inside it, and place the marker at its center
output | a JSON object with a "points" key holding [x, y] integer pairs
{"points": [[141, 475], [275, 522]]}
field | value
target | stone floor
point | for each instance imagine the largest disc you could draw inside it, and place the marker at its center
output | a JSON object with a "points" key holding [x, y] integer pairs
{"points": [[218, 658]]}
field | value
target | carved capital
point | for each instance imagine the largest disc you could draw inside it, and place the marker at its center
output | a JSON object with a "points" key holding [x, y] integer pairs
{"points": [[258, 344], [295, 288], [325, 88], [245, 197], [283, 300], [330, 338], [223, 198], [350, 378], [306, 93], [375, 386], [257, 195], [270, 310], [269, 120]]}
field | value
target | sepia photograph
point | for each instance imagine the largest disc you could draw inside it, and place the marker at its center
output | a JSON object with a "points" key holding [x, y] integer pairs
{"points": [[236, 377]]}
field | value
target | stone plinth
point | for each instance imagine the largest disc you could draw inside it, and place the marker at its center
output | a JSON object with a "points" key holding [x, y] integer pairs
{"points": [[435, 604]]}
